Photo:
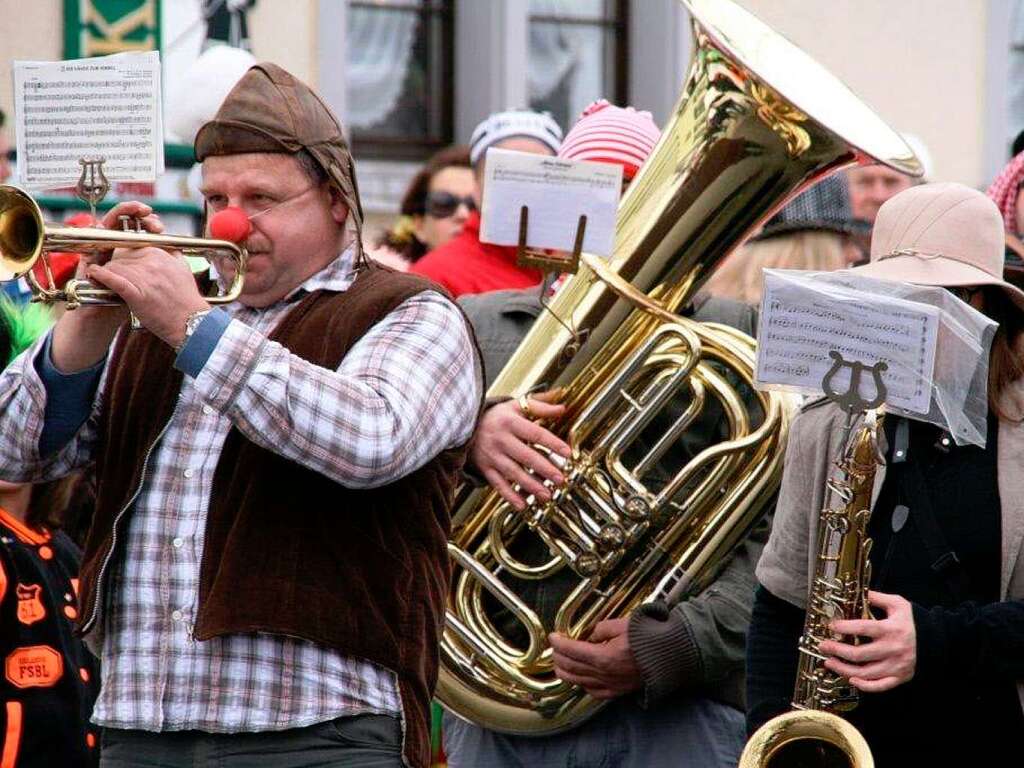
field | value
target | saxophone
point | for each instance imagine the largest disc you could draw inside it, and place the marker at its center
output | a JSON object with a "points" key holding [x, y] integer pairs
{"points": [[812, 734]]}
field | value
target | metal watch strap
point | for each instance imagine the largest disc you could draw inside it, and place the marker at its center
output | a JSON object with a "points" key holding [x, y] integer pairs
{"points": [[191, 323]]}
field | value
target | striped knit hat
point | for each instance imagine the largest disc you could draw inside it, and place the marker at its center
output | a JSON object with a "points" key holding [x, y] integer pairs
{"points": [[609, 134]]}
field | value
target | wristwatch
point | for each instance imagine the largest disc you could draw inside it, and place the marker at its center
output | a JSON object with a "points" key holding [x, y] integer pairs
{"points": [[191, 323]]}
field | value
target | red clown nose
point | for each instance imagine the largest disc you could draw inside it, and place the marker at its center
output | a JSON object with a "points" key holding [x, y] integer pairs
{"points": [[230, 224]]}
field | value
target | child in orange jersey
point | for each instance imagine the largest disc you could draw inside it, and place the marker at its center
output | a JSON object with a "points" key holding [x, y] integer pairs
{"points": [[49, 679]]}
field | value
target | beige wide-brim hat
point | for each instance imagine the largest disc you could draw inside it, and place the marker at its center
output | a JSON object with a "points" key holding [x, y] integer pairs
{"points": [[945, 235]]}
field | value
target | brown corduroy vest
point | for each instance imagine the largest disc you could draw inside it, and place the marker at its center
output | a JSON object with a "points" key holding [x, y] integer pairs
{"points": [[288, 551]]}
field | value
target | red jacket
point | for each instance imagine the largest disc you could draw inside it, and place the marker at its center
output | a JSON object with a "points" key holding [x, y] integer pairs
{"points": [[465, 265]]}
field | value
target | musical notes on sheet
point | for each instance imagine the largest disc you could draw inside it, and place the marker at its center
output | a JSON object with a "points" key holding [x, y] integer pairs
{"points": [[802, 320], [108, 106], [556, 192]]}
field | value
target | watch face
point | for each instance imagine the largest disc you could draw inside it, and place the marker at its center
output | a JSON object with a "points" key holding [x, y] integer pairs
{"points": [[192, 322]]}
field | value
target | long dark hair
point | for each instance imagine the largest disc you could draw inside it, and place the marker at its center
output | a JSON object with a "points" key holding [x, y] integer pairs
{"points": [[1006, 363], [65, 504], [48, 501], [401, 237]]}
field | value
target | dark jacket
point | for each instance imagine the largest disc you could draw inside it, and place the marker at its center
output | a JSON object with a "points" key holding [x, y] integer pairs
{"points": [[50, 680]]}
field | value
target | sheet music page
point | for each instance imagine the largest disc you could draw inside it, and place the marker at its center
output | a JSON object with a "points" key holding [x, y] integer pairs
{"points": [[108, 106], [557, 192], [802, 321]]}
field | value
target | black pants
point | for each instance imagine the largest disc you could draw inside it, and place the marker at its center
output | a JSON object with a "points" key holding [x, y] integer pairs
{"points": [[362, 741]]}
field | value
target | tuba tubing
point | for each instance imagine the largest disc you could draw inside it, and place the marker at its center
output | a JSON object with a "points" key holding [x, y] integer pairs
{"points": [[757, 122]]}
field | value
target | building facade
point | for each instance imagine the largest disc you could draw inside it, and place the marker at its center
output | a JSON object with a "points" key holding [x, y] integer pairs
{"points": [[410, 76]]}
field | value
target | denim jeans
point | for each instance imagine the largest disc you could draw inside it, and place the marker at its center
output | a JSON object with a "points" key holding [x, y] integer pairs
{"points": [[362, 741], [683, 732]]}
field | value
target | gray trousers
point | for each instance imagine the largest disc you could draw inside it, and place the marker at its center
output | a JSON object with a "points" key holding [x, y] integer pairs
{"points": [[684, 732], [362, 741]]}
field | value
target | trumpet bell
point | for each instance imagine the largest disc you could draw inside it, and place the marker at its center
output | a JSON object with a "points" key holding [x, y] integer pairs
{"points": [[21, 228]]}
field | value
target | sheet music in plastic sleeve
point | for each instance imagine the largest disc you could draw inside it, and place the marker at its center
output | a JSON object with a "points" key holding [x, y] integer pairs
{"points": [[801, 322], [108, 106]]}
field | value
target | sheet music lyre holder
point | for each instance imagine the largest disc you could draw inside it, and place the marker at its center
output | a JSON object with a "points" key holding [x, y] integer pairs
{"points": [[554, 261]]}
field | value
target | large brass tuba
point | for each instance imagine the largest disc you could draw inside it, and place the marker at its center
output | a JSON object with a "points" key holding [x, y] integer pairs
{"points": [[758, 121]]}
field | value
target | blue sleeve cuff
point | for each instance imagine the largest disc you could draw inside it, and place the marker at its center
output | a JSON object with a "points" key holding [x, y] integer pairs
{"points": [[69, 399], [202, 342]]}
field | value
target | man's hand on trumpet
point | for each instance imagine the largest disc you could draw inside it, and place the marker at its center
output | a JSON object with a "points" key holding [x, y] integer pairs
{"points": [[81, 338], [157, 286]]}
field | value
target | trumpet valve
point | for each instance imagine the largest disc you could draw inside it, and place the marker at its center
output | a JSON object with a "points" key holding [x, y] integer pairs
{"points": [[130, 223]]}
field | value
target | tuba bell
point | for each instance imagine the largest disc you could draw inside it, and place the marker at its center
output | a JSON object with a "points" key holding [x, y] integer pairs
{"points": [[25, 240], [648, 511]]}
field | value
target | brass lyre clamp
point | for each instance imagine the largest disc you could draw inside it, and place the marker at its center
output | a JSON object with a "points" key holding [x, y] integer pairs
{"points": [[851, 401], [93, 184], [554, 261]]}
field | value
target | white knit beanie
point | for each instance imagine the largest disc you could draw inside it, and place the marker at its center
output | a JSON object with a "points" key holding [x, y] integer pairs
{"points": [[514, 124]]}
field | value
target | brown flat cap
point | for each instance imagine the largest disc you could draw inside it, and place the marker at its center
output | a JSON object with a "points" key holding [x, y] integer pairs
{"points": [[271, 110]]}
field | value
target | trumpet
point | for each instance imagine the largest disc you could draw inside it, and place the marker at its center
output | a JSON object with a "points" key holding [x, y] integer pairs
{"points": [[25, 240]]}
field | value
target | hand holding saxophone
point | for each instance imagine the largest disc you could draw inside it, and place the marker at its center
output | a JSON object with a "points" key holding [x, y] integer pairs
{"points": [[888, 659], [504, 449]]}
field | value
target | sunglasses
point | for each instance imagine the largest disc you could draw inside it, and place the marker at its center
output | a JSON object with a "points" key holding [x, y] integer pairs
{"points": [[441, 205]]}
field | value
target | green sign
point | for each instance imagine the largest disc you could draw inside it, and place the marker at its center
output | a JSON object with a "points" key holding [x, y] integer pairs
{"points": [[99, 27]]}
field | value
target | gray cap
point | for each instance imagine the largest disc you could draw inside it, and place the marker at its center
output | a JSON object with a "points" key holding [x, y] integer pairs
{"points": [[823, 207]]}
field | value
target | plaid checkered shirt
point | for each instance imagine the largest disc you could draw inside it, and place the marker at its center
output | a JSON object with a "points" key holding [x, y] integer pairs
{"points": [[405, 391]]}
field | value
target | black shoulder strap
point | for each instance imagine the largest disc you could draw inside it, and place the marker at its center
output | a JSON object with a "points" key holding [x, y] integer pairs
{"points": [[943, 557]]}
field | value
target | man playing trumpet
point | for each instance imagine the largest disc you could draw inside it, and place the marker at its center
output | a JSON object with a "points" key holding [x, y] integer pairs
{"points": [[266, 570]]}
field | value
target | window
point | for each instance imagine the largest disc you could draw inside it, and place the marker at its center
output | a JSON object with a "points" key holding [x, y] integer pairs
{"points": [[399, 77], [578, 53]]}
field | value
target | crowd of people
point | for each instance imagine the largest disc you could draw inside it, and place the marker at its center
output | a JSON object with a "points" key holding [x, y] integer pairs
{"points": [[223, 540]]}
